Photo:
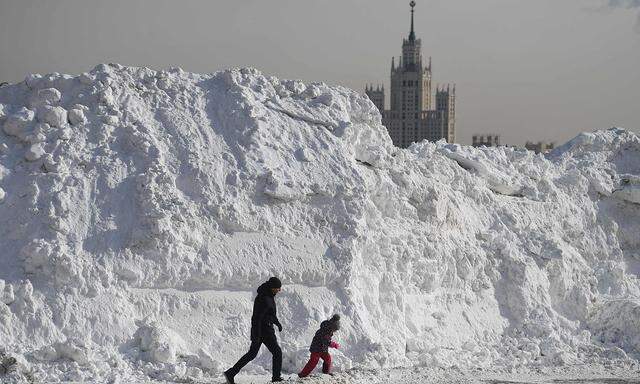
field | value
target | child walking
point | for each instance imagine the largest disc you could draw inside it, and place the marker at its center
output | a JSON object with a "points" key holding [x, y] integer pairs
{"points": [[320, 346]]}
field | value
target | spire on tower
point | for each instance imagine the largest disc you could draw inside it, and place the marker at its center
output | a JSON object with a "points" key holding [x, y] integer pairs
{"points": [[412, 34]]}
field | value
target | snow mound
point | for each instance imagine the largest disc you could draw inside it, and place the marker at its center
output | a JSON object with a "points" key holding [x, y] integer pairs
{"points": [[140, 209]]}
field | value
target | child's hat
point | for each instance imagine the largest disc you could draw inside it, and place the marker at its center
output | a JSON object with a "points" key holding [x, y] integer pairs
{"points": [[335, 320]]}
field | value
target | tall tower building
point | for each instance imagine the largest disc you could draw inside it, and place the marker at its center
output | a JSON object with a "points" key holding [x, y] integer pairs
{"points": [[411, 116]]}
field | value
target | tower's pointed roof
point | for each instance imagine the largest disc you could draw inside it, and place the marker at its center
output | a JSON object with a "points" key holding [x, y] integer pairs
{"points": [[412, 34]]}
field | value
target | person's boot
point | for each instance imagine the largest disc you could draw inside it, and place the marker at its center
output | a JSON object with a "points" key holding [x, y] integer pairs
{"points": [[229, 377], [277, 379]]}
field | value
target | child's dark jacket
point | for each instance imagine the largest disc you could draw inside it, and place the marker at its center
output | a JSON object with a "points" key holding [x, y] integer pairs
{"points": [[322, 339]]}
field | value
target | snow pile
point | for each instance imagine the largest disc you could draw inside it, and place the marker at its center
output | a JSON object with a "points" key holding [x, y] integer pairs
{"points": [[139, 210]]}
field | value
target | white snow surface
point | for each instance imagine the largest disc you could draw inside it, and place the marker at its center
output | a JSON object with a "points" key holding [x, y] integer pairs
{"points": [[140, 210]]}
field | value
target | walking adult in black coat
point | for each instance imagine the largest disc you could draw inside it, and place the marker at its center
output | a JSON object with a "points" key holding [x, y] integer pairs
{"points": [[262, 321]]}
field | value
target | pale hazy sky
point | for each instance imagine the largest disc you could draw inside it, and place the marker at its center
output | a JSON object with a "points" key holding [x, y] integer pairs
{"points": [[525, 69]]}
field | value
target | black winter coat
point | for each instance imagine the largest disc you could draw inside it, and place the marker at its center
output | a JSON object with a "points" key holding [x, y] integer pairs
{"points": [[264, 313], [322, 338]]}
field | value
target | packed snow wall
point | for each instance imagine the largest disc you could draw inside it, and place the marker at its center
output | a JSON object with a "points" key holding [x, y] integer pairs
{"points": [[140, 210]]}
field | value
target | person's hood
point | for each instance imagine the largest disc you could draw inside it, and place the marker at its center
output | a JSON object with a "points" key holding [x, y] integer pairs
{"points": [[264, 289], [329, 325]]}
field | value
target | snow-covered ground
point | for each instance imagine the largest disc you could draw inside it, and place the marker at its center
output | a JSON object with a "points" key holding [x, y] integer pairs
{"points": [[140, 210], [421, 375]]}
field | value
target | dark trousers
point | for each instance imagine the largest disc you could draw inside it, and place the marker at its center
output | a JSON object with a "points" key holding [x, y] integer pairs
{"points": [[270, 341]]}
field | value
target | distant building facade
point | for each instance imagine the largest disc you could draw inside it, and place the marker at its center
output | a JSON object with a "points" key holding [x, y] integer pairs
{"points": [[414, 115], [539, 147], [486, 140]]}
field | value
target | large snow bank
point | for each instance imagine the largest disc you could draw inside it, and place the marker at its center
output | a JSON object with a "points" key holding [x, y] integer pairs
{"points": [[140, 209]]}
